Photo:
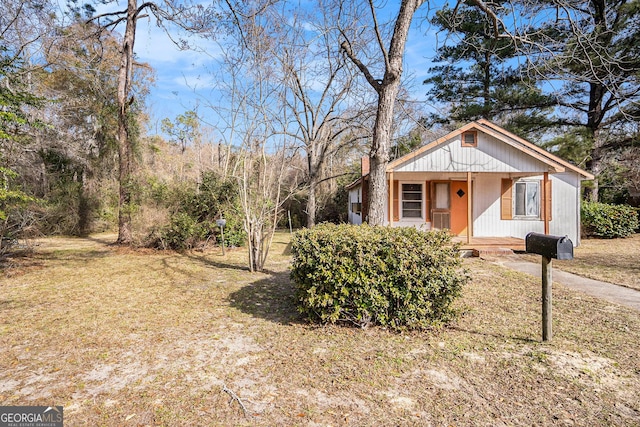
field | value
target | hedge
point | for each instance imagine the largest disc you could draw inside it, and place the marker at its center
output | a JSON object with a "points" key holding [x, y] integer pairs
{"points": [[399, 278], [608, 221]]}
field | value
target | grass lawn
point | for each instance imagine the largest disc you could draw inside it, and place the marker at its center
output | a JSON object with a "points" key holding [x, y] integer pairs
{"points": [[146, 338], [610, 260]]}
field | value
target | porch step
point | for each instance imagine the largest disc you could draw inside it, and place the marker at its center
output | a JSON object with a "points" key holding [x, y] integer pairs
{"points": [[491, 251]]}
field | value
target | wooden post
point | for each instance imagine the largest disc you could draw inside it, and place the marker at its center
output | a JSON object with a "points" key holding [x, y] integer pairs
{"points": [[545, 197], [469, 211], [391, 199], [547, 280]]}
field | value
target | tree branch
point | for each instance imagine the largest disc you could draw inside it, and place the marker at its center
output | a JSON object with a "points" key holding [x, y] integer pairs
{"points": [[104, 15], [376, 29], [376, 84], [236, 398], [490, 14]]}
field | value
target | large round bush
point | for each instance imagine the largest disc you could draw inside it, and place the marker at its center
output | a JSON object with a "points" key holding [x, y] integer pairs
{"points": [[393, 277]]}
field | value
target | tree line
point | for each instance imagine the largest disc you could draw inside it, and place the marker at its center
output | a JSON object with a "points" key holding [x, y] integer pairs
{"points": [[306, 90]]}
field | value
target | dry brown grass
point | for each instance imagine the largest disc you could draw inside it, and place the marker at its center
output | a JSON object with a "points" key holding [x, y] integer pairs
{"points": [[121, 337], [610, 260]]}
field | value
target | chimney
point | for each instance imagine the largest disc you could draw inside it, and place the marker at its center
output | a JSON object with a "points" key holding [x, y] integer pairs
{"points": [[364, 165]]}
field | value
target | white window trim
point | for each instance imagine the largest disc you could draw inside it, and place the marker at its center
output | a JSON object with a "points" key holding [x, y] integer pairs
{"points": [[422, 202], [515, 200]]}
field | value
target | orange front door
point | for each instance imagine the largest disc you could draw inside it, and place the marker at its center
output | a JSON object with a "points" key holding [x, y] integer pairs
{"points": [[459, 201]]}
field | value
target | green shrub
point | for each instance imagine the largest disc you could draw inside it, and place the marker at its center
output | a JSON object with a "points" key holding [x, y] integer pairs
{"points": [[183, 232], [393, 277], [194, 210], [608, 221]]}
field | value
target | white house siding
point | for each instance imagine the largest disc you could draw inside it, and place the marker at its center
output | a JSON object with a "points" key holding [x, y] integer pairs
{"points": [[355, 196], [564, 215], [490, 155], [486, 207]]}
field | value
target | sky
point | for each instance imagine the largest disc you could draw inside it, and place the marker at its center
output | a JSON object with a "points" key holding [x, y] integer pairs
{"points": [[184, 78]]}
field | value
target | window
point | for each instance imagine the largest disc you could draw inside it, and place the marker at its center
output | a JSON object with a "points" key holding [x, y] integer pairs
{"points": [[356, 208], [441, 196], [441, 214], [412, 200], [470, 139], [527, 199]]}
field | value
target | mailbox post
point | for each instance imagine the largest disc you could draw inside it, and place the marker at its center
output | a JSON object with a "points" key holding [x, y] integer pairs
{"points": [[548, 247], [221, 223]]}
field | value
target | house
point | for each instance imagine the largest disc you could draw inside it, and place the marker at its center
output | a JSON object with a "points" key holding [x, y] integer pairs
{"points": [[480, 181]]}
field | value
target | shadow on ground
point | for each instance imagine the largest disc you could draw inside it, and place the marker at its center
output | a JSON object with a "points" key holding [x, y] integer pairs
{"points": [[209, 262], [500, 337], [271, 298]]}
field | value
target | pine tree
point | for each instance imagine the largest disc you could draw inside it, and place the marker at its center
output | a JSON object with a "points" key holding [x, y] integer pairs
{"points": [[480, 76]]}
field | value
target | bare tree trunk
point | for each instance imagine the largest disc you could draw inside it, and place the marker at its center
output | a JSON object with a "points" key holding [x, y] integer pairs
{"points": [[595, 165], [312, 207], [379, 157], [124, 142], [595, 115], [387, 90]]}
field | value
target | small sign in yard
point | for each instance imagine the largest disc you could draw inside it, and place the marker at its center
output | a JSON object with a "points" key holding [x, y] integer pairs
{"points": [[221, 223]]}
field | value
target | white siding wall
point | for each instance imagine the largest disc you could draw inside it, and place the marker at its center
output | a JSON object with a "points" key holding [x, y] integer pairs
{"points": [[565, 210], [355, 196], [566, 206], [491, 155]]}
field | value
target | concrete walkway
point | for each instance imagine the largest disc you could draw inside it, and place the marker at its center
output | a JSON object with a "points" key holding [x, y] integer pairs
{"points": [[607, 291]]}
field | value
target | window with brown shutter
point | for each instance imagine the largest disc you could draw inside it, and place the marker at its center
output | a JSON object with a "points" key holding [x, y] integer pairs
{"points": [[528, 199], [412, 197]]}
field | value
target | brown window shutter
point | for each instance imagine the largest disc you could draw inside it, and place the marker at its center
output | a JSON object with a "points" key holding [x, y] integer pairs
{"points": [[427, 201], [396, 214], [506, 206]]}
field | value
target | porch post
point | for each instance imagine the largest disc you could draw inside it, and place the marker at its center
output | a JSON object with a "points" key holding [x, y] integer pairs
{"points": [[390, 199], [545, 184], [469, 210]]}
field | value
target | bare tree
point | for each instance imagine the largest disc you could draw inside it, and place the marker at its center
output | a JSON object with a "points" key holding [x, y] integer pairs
{"points": [[391, 49], [195, 19], [319, 89], [253, 124]]}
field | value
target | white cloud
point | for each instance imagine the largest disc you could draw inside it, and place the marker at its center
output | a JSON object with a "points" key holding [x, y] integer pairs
{"points": [[155, 46]]}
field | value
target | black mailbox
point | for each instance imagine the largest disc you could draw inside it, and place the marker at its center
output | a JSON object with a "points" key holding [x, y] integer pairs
{"points": [[558, 247]]}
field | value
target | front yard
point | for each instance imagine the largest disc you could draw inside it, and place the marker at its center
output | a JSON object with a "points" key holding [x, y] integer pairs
{"points": [[121, 337]]}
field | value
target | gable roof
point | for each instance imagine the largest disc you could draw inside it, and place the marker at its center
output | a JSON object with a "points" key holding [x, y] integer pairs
{"points": [[355, 183], [503, 135]]}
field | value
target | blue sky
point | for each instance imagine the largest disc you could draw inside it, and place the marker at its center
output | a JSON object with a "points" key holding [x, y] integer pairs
{"points": [[184, 78]]}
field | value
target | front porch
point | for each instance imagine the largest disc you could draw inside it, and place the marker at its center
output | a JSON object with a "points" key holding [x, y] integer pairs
{"points": [[490, 245]]}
